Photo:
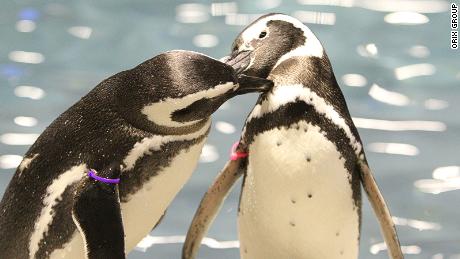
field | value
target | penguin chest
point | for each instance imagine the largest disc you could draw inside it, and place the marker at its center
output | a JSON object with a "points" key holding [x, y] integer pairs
{"points": [[297, 200], [143, 209]]}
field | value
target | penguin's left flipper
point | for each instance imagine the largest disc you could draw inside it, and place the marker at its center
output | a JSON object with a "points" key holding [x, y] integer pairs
{"points": [[209, 207], [381, 211], [97, 215]]}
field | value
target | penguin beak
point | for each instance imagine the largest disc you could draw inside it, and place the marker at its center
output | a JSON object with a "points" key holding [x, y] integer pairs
{"points": [[249, 84], [239, 60]]}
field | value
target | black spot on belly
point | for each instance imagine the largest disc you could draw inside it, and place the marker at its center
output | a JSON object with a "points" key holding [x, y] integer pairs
{"points": [[310, 195], [293, 200], [292, 223], [278, 143], [308, 157]]}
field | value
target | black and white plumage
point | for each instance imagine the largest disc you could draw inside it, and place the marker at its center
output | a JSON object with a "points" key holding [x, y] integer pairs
{"points": [[301, 195], [96, 213], [151, 121]]}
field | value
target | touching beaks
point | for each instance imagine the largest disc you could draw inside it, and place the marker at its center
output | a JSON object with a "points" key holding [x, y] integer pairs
{"points": [[248, 84], [239, 60]]}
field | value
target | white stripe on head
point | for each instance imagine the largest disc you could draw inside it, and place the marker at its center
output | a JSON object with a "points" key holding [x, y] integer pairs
{"points": [[312, 46], [282, 95], [147, 145], [52, 197], [160, 112]]}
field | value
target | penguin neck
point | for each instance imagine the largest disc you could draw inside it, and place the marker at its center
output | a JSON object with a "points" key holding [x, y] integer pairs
{"points": [[304, 70], [309, 80]]}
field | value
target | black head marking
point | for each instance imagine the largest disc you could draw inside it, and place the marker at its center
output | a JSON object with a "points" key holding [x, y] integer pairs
{"points": [[270, 40], [282, 38], [199, 109]]}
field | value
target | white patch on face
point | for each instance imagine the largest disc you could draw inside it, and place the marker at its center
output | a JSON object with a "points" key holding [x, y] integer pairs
{"points": [[312, 46], [297, 201], [282, 95], [26, 162], [252, 33], [160, 113], [147, 145], [53, 196]]}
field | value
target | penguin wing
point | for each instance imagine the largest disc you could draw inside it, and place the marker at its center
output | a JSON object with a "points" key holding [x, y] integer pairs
{"points": [[97, 215], [209, 207], [381, 211]]}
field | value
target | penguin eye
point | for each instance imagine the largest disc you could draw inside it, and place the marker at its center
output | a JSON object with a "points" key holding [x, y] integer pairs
{"points": [[262, 34]]}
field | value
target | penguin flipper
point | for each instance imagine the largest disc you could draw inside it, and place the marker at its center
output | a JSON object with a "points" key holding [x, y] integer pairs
{"points": [[97, 215], [209, 207], [381, 211]]}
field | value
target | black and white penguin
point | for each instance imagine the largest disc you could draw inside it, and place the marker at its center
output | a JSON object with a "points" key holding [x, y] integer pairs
{"points": [[301, 195], [148, 126]]}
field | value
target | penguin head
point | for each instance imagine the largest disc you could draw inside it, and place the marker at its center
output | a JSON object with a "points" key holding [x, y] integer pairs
{"points": [[177, 91], [272, 39]]}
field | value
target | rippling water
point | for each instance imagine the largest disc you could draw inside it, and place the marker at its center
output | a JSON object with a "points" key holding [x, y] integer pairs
{"points": [[392, 59]]}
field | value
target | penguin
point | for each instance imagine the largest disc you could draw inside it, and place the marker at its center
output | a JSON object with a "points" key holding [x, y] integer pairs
{"points": [[145, 126], [300, 156]]}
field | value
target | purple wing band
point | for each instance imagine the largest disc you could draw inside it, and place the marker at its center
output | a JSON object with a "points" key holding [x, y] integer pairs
{"points": [[93, 175]]}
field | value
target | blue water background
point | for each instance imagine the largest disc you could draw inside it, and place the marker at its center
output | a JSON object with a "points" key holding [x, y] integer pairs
{"points": [[125, 33]]}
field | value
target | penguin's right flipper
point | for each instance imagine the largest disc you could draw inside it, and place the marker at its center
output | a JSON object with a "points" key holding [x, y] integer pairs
{"points": [[249, 84], [209, 207], [381, 211], [97, 215]]}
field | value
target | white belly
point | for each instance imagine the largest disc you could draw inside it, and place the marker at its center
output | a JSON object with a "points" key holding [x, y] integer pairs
{"points": [[297, 199], [144, 208]]}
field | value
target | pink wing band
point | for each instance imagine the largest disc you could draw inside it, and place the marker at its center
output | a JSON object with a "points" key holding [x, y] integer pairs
{"points": [[234, 155]]}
